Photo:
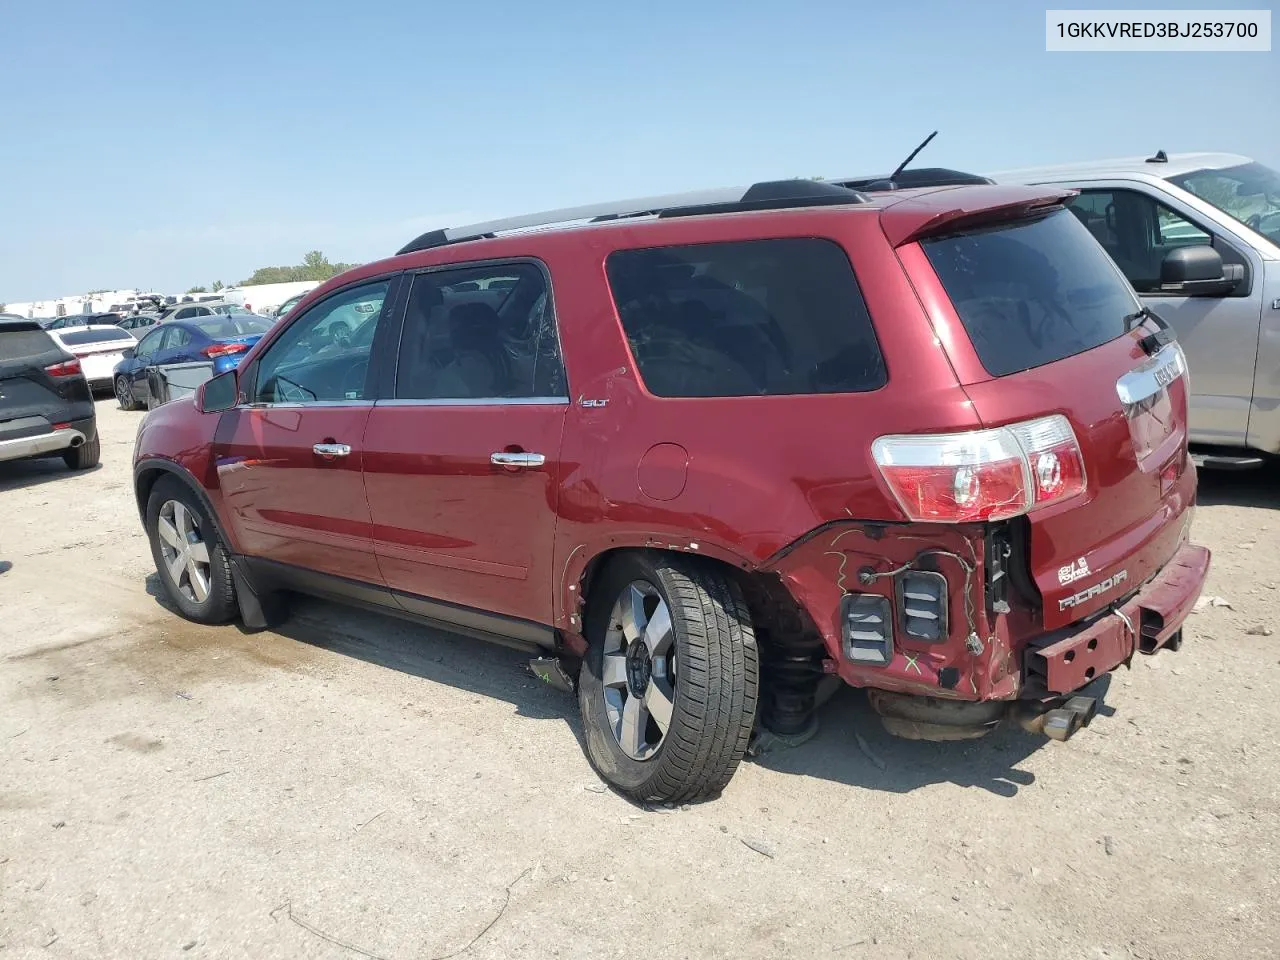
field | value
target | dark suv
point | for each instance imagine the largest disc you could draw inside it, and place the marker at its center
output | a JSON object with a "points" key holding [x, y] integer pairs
{"points": [[699, 452], [45, 404]]}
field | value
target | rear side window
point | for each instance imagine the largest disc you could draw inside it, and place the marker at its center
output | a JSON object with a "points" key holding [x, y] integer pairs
{"points": [[20, 344], [78, 338], [754, 318], [1032, 293], [481, 334]]}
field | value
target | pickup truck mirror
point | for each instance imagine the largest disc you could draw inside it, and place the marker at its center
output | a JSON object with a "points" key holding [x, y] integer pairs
{"points": [[1198, 271], [218, 393]]}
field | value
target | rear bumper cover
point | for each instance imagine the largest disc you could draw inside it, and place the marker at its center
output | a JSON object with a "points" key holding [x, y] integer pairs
{"points": [[42, 443], [1149, 620]]}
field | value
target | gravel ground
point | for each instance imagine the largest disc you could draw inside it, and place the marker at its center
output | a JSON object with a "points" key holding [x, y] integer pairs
{"points": [[356, 786]]}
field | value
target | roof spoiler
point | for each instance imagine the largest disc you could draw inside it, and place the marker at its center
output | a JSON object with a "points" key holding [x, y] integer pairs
{"points": [[954, 211]]}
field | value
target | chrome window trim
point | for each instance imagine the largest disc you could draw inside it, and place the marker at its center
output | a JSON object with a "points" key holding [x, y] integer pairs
{"points": [[305, 404], [477, 402]]}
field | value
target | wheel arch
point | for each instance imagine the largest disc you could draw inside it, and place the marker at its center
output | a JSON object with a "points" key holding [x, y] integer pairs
{"points": [[770, 601], [147, 473]]}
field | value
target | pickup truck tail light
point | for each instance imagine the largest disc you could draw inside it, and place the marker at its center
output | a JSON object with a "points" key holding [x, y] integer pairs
{"points": [[68, 368], [215, 350], [982, 474]]}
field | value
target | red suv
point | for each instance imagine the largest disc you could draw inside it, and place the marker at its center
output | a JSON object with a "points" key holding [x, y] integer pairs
{"points": [[698, 452]]}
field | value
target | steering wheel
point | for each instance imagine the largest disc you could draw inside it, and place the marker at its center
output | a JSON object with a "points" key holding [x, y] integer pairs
{"points": [[1254, 222], [353, 380]]}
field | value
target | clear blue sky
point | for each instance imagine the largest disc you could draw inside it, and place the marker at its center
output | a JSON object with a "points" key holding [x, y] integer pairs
{"points": [[164, 144]]}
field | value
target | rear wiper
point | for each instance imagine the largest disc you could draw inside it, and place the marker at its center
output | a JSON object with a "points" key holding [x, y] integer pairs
{"points": [[1152, 343]]}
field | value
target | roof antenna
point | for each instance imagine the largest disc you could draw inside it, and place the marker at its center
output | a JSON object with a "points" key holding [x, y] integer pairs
{"points": [[1160, 157], [911, 156]]}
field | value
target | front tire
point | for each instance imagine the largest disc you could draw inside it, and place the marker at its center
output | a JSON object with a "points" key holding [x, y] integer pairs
{"points": [[124, 394], [190, 558], [669, 685]]}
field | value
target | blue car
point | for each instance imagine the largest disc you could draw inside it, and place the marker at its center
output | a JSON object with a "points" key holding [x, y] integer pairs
{"points": [[217, 340]]}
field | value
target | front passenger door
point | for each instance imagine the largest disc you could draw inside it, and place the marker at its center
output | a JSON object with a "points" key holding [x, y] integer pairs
{"points": [[290, 455]]}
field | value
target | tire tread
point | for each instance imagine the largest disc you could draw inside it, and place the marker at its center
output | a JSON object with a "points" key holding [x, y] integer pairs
{"points": [[717, 683]]}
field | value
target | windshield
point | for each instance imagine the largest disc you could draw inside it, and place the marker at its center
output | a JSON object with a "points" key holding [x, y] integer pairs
{"points": [[1250, 193]]}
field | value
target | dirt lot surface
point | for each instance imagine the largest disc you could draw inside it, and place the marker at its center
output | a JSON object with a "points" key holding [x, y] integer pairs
{"points": [[355, 786]]}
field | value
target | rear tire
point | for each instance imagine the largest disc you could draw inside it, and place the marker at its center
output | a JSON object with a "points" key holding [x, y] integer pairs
{"points": [[190, 558], [124, 394], [84, 456], [703, 673]]}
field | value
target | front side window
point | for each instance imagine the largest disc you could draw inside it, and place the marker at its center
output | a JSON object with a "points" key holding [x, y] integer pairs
{"points": [[324, 354], [753, 318], [1249, 193], [468, 336], [1137, 231], [1033, 292]]}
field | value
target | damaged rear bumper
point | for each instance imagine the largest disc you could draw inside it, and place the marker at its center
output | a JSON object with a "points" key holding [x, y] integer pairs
{"points": [[1066, 660], [850, 581]]}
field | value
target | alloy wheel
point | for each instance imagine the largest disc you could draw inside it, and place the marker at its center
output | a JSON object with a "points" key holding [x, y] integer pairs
{"points": [[186, 555], [123, 395], [639, 670]]}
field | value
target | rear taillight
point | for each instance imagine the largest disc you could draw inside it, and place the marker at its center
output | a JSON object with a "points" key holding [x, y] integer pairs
{"points": [[68, 368], [215, 350], [982, 474]]}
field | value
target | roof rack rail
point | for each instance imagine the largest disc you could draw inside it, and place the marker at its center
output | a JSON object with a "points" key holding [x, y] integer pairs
{"points": [[919, 177], [767, 195]]}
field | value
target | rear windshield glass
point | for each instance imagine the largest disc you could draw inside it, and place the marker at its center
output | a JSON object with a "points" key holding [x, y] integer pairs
{"points": [[77, 338], [754, 318], [232, 325], [20, 344], [1032, 293]]}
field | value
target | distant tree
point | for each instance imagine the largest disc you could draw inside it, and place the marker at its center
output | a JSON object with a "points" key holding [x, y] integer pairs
{"points": [[2, 307], [94, 293], [217, 285], [315, 266], [197, 290]]}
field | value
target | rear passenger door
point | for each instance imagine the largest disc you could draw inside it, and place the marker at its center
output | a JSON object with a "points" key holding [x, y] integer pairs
{"points": [[462, 462]]}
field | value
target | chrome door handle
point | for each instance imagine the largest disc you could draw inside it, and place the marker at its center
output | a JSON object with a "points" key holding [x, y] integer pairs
{"points": [[503, 459], [331, 449]]}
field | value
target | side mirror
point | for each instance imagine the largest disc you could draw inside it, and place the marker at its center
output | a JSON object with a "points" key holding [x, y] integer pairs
{"points": [[218, 393], [127, 353], [1198, 271]]}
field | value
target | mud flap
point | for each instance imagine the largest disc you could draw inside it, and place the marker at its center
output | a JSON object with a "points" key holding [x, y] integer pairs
{"points": [[258, 611]]}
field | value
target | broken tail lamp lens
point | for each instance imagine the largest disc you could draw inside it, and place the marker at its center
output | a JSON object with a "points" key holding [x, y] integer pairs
{"points": [[866, 628], [982, 475]]}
